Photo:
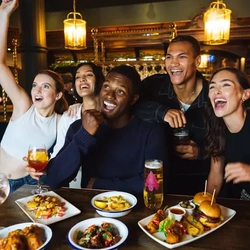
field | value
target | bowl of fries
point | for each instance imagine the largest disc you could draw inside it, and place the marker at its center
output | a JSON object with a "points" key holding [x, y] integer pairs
{"points": [[113, 204]]}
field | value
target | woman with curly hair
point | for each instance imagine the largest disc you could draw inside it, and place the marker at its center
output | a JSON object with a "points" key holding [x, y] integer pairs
{"points": [[228, 136]]}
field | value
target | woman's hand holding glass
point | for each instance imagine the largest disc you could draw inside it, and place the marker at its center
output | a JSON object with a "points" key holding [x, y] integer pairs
{"points": [[37, 159]]}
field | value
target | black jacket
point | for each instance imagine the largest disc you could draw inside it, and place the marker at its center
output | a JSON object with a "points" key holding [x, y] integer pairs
{"points": [[156, 98]]}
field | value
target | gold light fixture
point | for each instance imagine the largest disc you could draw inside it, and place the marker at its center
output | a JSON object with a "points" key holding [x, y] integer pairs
{"points": [[217, 23], [74, 30]]}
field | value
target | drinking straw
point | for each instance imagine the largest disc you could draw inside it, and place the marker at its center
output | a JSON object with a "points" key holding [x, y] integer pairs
{"points": [[213, 197], [205, 190]]}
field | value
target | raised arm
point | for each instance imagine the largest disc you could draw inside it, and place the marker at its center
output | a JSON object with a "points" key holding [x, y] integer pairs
{"points": [[19, 97]]}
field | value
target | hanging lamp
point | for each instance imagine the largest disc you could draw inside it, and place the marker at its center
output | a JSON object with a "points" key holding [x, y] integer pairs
{"points": [[74, 30], [217, 23]]}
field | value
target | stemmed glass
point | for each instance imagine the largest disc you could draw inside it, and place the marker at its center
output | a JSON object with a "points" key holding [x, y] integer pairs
{"points": [[4, 188], [38, 159]]}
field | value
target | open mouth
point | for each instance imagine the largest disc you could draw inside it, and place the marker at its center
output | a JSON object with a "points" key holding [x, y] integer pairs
{"points": [[109, 106], [219, 103], [84, 86], [176, 71], [38, 98]]}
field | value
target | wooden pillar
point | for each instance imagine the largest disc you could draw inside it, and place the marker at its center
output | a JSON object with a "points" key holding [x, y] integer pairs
{"points": [[33, 48]]}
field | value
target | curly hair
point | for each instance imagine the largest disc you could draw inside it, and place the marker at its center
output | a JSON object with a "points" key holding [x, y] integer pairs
{"points": [[216, 127]]}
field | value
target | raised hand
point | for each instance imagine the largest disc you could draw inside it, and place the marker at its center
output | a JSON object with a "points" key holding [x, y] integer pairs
{"points": [[8, 6], [91, 120], [175, 118]]}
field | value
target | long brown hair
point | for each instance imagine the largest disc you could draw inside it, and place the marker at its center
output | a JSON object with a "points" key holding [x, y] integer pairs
{"points": [[61, 105], [216, 128]]}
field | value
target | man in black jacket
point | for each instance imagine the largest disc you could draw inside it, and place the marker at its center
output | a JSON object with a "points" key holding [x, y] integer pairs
{"points": [[178, 99]]}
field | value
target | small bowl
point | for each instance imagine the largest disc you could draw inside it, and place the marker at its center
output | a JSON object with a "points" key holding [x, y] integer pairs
{"points": [[189, 211], [176, 212], [114, 213], [47, 231], [120, 227]]}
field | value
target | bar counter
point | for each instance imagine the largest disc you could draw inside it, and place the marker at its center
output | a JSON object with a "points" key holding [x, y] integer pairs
{"points": [[234, 235]]}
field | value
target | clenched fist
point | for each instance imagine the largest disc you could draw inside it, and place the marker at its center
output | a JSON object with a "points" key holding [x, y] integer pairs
{"points": [[91, 119]]}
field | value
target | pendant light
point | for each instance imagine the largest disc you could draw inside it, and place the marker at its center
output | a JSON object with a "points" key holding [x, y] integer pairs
{"points": [[217, 23], [74, 30]]}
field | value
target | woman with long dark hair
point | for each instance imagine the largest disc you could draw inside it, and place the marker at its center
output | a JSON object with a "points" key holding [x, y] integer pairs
{"points": [[228, 136], [87, 82]]}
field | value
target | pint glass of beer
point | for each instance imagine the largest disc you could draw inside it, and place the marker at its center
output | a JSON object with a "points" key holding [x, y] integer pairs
{"points": [[153, 184], [181, 136]]}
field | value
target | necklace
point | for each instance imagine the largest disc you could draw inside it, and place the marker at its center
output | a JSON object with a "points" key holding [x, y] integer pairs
{"points": [[185, 105]]}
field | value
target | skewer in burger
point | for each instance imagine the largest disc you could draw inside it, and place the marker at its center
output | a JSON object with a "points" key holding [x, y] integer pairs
{"points": [[202, 196], [209, 214]]}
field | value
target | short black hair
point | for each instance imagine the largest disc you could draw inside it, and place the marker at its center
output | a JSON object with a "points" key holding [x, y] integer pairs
{"points": [[190, 39], [131, 73]]}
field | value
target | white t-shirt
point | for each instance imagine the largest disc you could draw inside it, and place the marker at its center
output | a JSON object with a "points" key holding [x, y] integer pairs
{"points": [[62, 129], [30, 128]]}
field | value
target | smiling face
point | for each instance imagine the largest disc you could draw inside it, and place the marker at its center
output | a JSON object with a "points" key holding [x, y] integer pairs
{"points": [[181, 62], [117, 96], [226, 94], [43, 92], [85, 81]]}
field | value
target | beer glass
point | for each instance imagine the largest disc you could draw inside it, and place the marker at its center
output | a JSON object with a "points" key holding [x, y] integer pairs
{"points": [[181, 136], [153, 184]]}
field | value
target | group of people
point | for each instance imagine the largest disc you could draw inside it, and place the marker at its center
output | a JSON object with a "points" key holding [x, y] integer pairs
{"points": [[124, 121]]}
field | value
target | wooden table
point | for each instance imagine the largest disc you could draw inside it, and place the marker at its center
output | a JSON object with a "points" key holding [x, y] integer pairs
{"points": [[234, 235]]}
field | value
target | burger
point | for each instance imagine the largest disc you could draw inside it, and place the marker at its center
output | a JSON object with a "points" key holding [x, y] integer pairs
{"points": [[209, 214], [202, 196]]}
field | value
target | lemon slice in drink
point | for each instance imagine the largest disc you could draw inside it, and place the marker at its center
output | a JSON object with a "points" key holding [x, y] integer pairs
{"points": [[100, 204]]}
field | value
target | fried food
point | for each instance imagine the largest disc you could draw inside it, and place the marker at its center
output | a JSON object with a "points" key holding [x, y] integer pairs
{"points": [[195, 223], [30, 238], [153, 225], [192, 230], [175, 232], [46, 206]]}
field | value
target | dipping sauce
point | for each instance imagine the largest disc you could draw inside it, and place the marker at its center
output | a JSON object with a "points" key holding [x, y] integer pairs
{"points": [[176, 211]]}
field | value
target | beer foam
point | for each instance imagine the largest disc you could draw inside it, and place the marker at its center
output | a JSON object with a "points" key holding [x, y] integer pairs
{"points": [[153, 164], [182, 133]]}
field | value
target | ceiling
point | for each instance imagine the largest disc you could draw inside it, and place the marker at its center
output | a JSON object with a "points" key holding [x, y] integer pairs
{"points": [[67, 5]]}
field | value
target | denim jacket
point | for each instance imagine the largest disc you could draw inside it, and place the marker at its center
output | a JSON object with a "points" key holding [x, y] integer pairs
{"points": [[156, 98]]}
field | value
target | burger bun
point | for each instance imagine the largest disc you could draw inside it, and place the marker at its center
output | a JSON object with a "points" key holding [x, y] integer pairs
{"points": [[212, 214], [202, 196]]}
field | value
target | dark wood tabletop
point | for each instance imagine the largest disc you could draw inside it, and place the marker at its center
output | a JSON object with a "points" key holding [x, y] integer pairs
{"points": [[233, 235]]}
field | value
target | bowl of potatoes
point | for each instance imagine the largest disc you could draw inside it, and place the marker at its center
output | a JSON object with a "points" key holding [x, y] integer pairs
{"points": [[113, 204]]}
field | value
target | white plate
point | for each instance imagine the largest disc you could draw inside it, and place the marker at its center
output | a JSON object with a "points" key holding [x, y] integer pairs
{"points": [[70, 209], [159, 237], [47, 231]]}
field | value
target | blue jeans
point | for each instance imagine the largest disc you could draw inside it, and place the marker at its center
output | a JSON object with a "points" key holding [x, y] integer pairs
{"points": [[17, 183]]}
